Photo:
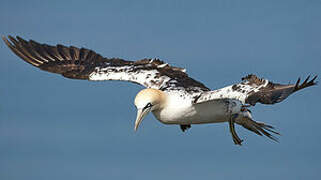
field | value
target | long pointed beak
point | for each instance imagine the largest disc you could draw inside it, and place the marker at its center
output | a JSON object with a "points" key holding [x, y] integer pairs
{"points": [[141, 113]]}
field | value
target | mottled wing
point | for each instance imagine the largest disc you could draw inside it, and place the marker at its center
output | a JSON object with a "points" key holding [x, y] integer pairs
{"points": [[75, 63], [253, 89]]}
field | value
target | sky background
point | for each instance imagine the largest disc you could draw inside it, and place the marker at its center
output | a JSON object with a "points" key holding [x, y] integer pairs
{"points": [[56, 128]]}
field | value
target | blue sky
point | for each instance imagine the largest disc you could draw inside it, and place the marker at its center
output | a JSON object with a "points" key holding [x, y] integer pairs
{"points": [[57, 128]]}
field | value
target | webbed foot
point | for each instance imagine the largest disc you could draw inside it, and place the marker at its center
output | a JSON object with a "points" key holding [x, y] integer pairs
{"points": [[235, 137], [185, 127]]}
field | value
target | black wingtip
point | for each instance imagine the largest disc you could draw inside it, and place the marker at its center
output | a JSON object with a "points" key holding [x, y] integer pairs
{"points": [[10, 37], [306, 83], [20, 39], [298, 82]]}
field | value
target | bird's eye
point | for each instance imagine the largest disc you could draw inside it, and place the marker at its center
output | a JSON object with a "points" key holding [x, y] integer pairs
{"points": [[148, 106]]}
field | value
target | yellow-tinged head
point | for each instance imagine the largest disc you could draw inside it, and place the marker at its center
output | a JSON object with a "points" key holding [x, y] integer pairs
{"points": [[146, 101]]}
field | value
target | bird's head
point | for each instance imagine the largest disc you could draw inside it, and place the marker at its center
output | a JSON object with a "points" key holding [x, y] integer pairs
{"points": [[148, 100]]}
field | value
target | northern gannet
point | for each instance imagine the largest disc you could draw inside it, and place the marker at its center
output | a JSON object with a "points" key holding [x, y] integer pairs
{"points": [[171, 95]]}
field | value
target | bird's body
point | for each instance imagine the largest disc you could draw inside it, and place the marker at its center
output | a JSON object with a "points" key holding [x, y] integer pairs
{"points": [[171, 95], [180, 109]]}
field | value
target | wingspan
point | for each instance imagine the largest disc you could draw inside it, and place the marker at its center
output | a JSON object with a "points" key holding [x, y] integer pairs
{"points": [[253, 89], [75, 63]]}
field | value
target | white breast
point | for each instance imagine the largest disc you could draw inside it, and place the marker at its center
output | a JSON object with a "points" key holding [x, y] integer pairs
{"points": [[180, 110]]}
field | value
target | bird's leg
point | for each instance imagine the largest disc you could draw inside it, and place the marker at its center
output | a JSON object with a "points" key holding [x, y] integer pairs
{"points": [[185, 127], [235, 137]]}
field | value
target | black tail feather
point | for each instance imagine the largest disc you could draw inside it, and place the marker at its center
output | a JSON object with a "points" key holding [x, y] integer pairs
{"points": [[259, 128]]}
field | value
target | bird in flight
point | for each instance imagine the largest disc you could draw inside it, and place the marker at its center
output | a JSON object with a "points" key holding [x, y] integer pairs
{"points": [[171, 95]]}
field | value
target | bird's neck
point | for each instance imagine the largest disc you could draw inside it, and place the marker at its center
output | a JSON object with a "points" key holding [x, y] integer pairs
{"points": [[163, 100]]}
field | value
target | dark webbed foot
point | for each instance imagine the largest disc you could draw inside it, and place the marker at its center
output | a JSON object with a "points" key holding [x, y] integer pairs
{"points": [[235, 137], [185, 127]]}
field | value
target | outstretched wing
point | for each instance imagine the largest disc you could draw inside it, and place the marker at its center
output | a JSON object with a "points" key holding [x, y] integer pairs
{"points": [[253, 89], [75, 63]]}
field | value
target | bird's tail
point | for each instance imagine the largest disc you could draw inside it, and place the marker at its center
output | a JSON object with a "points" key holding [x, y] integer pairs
{"points": [[258, 128]]}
